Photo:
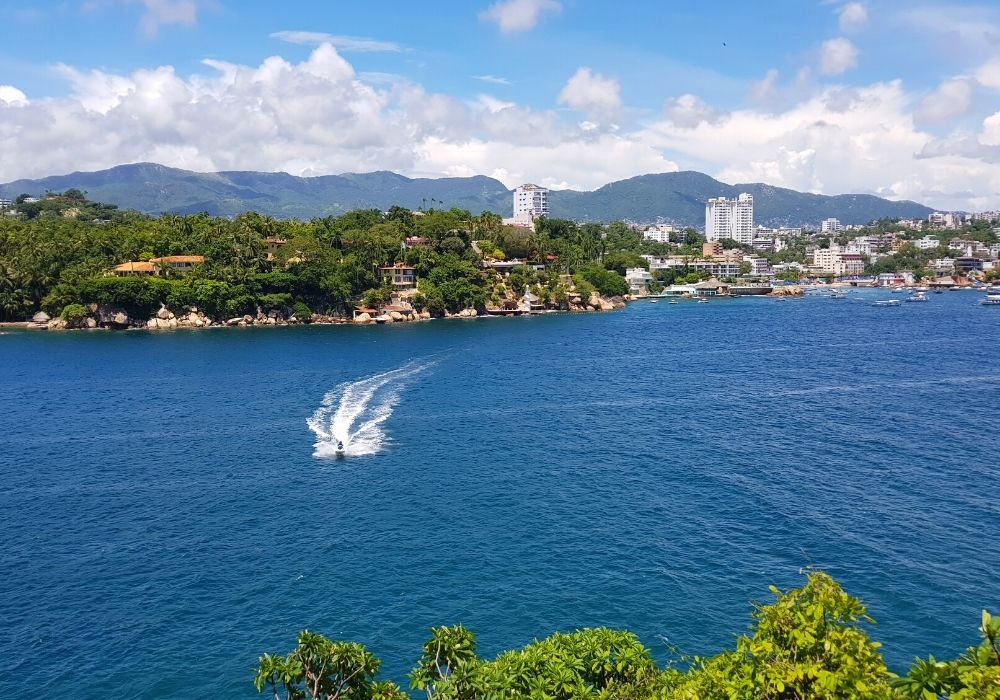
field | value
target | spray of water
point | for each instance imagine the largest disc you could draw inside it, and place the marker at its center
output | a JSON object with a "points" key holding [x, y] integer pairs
{"points": [[355, 412]]}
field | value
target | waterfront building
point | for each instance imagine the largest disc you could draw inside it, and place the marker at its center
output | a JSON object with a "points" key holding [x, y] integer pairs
{"points": [[730, 218], [967, 263], [836, 260], [943, 266], [400, 276], [638, 279], [530, 203], [718, 267], [759, 267], [831, 226]]}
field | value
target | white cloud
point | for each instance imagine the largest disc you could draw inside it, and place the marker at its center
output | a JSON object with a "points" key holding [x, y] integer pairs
{"points": [[591, 92], [991, 130], [853, 16], [518, 15], [10, 95], [495, 80], [952, 98], [156, 13], [342, 43], [988, 74], [868, 144], [690, 111], [765, 90], [837, 56], [319, 116]]}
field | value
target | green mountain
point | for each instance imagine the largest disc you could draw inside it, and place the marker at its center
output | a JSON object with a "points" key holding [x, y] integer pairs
{"points": [[674, 197]]}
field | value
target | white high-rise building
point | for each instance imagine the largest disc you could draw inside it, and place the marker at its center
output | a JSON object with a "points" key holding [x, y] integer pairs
{"points": [[831, 226], [730, 218], [530, 202]]}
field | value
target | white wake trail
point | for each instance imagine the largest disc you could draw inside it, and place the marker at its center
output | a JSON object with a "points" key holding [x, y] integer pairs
{"points": [[355, 413]]}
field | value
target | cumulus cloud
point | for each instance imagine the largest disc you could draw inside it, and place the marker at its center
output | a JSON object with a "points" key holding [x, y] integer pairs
{"points": [[988, 74], [991, 130], [853, 16], [952, 98], [319, 116], [518, 15], [342, 43], [837, 56], [10, 95], [591, 92], [690, 111], [869, 144]]}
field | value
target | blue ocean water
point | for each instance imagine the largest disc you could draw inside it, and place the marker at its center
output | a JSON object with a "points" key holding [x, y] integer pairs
{"points": [[168, 512]]}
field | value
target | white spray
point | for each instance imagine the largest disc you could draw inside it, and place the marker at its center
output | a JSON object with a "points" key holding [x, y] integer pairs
{"points": [[354, 413]]}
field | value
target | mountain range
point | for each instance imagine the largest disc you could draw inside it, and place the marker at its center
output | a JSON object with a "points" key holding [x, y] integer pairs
{"points": [[677, 197]]}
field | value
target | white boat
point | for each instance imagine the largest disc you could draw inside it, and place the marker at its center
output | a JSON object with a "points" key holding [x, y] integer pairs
{"points": [[991, 300], [653, 301], [919, 296], [887, 302], [897, 290], [673, 301], [703, 301]]}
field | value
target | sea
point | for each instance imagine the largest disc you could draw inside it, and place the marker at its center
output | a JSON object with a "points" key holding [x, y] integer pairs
{"points": [[173, 504]]}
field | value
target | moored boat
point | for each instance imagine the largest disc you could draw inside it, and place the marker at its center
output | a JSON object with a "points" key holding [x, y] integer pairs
{"points": [[887, 302]]}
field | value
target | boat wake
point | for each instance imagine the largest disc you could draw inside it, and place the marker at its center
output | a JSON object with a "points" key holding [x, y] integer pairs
{"points": [[355, 413]]}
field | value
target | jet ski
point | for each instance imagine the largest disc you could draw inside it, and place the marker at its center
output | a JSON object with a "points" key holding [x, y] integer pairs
{"points": [[340, 447]]}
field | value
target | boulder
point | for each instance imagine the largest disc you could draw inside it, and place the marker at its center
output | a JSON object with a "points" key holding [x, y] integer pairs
{"points": [[235, 321], [57, 325], [163, 313], [153, 323], [396, 316], [120, 319], [41, 317], [90, 322], [363, 318]]}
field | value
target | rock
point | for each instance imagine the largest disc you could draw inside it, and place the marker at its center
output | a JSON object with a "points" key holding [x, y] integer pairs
{"points": [[172, 322], [120, 319], [248, 318], [473, 313], [163, 313], [241, 324], [57, 325], [90, 322], [396, 316], [153, 323], [363, 318], [426, 315], [235, 321], [271, 321]]}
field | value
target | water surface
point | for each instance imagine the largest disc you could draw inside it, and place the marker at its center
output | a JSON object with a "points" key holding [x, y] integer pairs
{"points": [[168, 512]]}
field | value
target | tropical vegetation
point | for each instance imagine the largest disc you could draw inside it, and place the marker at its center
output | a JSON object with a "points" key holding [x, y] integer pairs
{"points": [[57, 254], [811, 643]]}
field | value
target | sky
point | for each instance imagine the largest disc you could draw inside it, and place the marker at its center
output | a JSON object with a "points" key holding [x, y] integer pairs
{"points": [[889, 97]]}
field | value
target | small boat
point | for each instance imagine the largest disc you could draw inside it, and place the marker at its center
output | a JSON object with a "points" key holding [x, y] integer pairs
{"points": [[653, 301], [673, 301], [919, 296], [896, 290], [703, 301], [887, 302], [837, 295], [991, 300]]}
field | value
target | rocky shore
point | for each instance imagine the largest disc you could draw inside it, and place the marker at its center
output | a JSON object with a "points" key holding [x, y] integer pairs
{"points": [[100, 317]]}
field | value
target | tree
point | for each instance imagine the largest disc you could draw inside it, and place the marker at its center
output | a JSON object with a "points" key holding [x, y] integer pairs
{"points": [[320, 669]]}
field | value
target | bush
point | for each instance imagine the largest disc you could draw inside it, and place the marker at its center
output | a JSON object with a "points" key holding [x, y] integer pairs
{"points": [[606, 282], [73, 313], [301, 311]]}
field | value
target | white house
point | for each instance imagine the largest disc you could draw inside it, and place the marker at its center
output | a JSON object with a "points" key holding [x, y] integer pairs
{"points": [[638, 280]]}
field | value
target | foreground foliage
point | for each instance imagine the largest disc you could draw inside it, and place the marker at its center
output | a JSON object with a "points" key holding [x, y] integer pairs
{"points": [[810, 644]]}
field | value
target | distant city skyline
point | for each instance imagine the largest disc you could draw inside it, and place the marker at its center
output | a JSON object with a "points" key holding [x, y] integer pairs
{"points": [[893, 98]]}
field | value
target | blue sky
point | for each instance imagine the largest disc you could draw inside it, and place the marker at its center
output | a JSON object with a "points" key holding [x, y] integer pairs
{"points": [[896, 98]]}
